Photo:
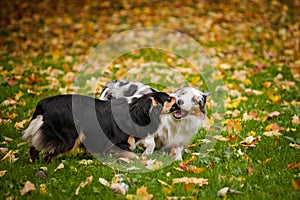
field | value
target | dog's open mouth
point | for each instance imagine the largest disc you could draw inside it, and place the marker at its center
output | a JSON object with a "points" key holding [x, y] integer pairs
{"points": [[174, 107], [180, 114]]}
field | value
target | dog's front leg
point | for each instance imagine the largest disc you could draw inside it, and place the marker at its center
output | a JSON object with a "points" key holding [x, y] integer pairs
{"points": [[149, 144], [178, 152]]}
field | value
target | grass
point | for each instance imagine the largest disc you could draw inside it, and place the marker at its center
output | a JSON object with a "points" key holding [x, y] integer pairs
{"points": [[34, 66], [269, 161]]}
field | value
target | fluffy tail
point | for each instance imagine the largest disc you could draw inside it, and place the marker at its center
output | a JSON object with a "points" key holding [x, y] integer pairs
{"points": [[33, 130]]}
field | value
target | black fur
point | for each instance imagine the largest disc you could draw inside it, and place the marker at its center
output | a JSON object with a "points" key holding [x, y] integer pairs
{"points": [[104, 124]]}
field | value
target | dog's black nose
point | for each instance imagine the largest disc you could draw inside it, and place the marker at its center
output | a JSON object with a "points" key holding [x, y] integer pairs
{"points": [[180, 102]]}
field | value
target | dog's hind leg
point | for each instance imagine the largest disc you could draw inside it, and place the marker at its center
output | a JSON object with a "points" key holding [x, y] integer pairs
{"points": [[34, 154], [149, 144], [49, 156]]}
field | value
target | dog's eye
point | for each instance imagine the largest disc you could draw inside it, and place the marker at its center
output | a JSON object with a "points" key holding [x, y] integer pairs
{"points": [[169, 99]]}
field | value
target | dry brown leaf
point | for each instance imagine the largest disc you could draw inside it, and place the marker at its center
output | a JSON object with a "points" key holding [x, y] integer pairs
{"points": [[41, 174], [250, 141], [59, 167], [186, 180], [83, 184], [27, 188]]}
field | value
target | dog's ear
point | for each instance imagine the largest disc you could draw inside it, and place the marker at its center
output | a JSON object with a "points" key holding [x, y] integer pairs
{"points": [[201, 99]]}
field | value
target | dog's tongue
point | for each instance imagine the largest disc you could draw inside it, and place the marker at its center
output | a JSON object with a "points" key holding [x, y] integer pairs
{"points": [[179, 113]]}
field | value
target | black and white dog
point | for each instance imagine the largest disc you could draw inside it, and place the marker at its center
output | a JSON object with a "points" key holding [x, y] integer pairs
{"points": [[176, 129], [62, 123]]}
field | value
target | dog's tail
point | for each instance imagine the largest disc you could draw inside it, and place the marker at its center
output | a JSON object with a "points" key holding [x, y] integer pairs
{"points": [[33, 130]]}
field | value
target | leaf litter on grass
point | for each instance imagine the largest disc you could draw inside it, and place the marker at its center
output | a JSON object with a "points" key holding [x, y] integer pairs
{"points": [[254, 44]]}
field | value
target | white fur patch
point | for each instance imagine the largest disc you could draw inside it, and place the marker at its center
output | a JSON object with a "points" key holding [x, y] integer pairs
{"points": [[33, 132]]}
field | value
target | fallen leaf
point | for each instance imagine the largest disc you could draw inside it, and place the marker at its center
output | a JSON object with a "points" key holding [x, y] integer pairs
{"points": [[273, 127], [118, 188], [266, 161], [186, 180], [251, 116], [83, 184], [190, 168], [44, 168], [272, 133], [296, 184], [274, 98], [104, 182], [10, 156], [253, 92], [217, 116], [221, 138], [8, 139], [250, 141], [273, 115], [41, 174], [141, 194], [59, 167], [296, 146], [293, 165], [2, 173], [27, 188], [223, 192], [153, 164], [43, 189], [233, 125], [85, 162], [3, 150], [20, 125], [295, 120]]}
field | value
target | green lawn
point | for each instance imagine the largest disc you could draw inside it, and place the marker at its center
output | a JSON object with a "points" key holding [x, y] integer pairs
{"points": [[255, 46]]}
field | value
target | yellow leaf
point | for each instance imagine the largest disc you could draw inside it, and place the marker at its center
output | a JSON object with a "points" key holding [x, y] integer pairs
{"points": [[2, 173], [141, 194], [274, 98]]}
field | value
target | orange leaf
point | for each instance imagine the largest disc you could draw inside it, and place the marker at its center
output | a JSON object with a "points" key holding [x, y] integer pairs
{"points": [[142, 193], [273, 115], [293, 165], [296, 184], [274, 127]]}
